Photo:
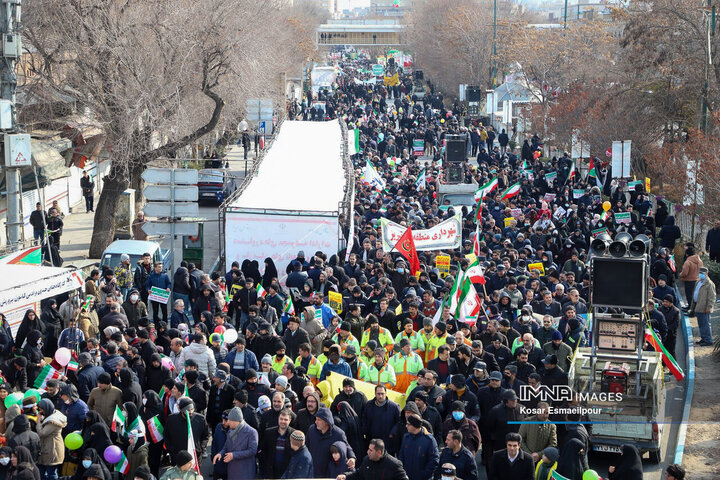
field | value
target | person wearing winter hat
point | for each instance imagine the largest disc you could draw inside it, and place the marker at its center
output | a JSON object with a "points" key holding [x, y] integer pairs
{"points": [[182, 469], [548, 464], [560, 349], [143, 473], [176, 429], [240, 447], [438, 338], [301, 462]]}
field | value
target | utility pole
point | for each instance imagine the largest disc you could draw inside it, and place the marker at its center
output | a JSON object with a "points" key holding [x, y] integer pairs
{"points": [[565, 16], [494, 43], [11, 51], [710, 10]]}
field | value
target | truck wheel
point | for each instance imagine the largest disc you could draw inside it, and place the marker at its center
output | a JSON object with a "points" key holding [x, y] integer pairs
{"points": [[656, 456]]}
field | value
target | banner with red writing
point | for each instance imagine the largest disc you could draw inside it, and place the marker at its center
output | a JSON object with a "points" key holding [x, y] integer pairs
{"points": [[443, 236]]}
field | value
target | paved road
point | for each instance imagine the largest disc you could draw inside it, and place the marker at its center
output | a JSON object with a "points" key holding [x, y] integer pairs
{"points": [[674, 403]]}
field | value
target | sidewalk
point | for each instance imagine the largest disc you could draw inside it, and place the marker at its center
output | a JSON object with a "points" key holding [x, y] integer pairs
{"points": [[77, 232], [702, 444]]}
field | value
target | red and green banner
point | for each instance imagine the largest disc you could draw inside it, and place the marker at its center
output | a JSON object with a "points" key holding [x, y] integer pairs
{"points": [[29, 256], [668, 360]]}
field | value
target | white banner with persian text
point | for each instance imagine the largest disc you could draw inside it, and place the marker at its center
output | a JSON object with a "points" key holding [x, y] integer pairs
{"points": [[443, 236]]}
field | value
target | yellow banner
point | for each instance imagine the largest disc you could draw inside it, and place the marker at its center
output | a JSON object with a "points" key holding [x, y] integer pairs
{"points": [[537, 266], [335, 301], [391, 81], [647, 185], [471, 257], [507, 221], [234, 289], [335, 380], [442, 262]]}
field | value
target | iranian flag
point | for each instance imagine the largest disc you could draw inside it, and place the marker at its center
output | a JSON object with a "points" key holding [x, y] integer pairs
{"points": [[476, 241], [668, 360], [420, 182], [155, 428], [605, 216], [72, 366], [572, 171], [485, 190], [467, 306], [123, 466], [593, 172], [262, 142], [525, 165], [118, 417], [260, 290], [191, 446], [47, 373], [288, 307], [556, 476], [671, 263], [469, 310], [512, 190], [353, 141], [476, 273], [456, 291], [161, 394]]}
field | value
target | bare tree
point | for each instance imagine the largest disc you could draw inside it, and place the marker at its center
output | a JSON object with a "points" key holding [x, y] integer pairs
{"points": [[452, 40], [161, 74]]}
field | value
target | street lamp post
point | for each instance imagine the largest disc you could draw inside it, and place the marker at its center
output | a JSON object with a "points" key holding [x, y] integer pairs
{"points": [[565, 16]]}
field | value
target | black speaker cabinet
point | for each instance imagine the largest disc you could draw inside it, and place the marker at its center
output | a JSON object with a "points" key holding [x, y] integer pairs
{"points": [[455, 150], [619, 282]]}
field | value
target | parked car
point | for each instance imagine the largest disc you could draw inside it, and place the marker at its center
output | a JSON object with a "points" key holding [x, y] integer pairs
{"points": [[214, 185], [135, 249]]}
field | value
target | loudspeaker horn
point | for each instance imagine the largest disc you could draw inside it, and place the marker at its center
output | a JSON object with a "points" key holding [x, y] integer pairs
{"points": [[599, 245], [619, 247], [639, 246]]}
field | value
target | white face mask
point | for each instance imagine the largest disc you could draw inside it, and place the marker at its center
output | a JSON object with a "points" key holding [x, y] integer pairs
{"points": [[134, 297], [447, 478], [5, 460], [144, 401]]}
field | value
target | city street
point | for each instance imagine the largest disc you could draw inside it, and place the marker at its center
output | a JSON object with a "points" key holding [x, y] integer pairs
{"points": [[481, 243]]}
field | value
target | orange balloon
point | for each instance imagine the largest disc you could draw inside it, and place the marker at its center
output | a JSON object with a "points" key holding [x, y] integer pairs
{"points": [[607, 205]]}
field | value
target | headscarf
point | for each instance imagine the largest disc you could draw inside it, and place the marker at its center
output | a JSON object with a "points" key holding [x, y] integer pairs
{"points": [[132, 412], [92, 455], [572, 462], [152, 406], [25, 462], [99, 437], [270, 273], [630, 467]]}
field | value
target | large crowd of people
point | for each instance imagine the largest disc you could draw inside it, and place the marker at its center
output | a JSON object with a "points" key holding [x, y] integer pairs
{"points": [[231, 368]]}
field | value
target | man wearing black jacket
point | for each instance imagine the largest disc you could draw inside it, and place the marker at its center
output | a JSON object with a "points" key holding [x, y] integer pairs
{"points": [[511, 463], [444, 364], [176, 437], [220, 398], [377, 464], [275, 448], [38, 220]]}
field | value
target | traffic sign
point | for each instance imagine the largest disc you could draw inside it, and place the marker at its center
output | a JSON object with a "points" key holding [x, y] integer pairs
{"points": [[17, 150], [154, 228], [164, 209], [378, 70], [164, 193], [178, 176]]}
